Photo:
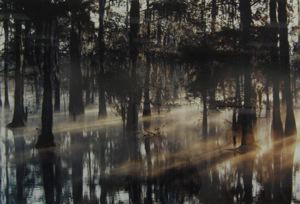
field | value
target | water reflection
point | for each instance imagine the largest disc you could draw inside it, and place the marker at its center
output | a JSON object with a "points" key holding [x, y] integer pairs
{"points": [[149, 165], [184, 149], [48, 172]]}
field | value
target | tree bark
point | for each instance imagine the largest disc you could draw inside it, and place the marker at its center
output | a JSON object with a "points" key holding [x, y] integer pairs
{"points": [[102, 101], [248, 112], [132, 112], [18, 116], [6, 57], [147, 106], [46, 138], [76, 106], [277, 128], [57, 72], [56, 93], [38, 65], [290, 123]]}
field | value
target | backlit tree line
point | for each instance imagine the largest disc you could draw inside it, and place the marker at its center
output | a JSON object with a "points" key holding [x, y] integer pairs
{"points": [[118, 51]]}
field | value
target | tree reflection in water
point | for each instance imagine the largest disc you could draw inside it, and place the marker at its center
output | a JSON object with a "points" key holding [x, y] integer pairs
{"points": [[150, 165]]}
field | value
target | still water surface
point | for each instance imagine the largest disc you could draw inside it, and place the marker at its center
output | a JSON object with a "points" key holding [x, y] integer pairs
{"points": [[167, 161]]}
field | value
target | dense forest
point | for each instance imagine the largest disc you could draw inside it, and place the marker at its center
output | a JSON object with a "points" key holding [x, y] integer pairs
{"points": [[149, 101]]}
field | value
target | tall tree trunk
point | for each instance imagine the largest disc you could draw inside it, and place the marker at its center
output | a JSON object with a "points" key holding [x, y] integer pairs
{"points": [[290, 123], [248, 112], [56, 92], [102, 101], [132, 112], [57, 72], [46, 138], [6, 57], [248, 109], [76, 106], [277, 128], [18, 116], [37, 89], [25, 63], [147, 106], [235, 123], [38, 65]]}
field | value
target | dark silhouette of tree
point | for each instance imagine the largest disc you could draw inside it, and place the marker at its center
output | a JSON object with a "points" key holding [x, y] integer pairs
{"points": [[235, 120], [134, 98], [76, 106], [46, 137], [38, 63], [47, 20], [290, 123], [6, 50], [56, 81], [276, 119], [147, 105], [248, 114], [101, 51], [18, 116], [134, 188]]}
